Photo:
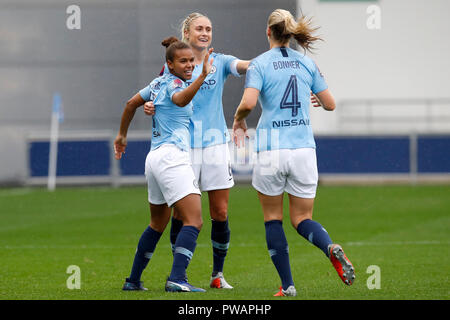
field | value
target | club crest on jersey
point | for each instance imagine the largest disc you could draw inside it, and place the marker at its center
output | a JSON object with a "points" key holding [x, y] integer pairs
{"points": [[177, 83], [320, 72], [213, 70]]}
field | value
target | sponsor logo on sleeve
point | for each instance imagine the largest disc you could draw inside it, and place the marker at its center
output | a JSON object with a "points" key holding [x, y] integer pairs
{"points": [[176, 83]]}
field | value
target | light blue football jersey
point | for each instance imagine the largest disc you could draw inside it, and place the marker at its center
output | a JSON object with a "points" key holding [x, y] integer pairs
{"points": [[285, 79], [208, 126], [170, 122]]}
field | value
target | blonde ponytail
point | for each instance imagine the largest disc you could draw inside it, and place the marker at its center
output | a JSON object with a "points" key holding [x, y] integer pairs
{"points": [[284, 26]]}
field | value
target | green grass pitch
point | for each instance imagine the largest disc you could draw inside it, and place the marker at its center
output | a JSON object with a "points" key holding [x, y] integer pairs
{"points": [[404, 230]]}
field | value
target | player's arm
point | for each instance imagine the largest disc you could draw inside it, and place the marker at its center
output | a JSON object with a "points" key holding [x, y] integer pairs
{"points": [[326, 100], [247, 104], [242, 66], [149, 107], [120, 142], [183, 97], [320, 90]]}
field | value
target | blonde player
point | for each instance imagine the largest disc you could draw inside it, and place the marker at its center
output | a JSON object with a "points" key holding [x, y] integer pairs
{"points": [[282, 79], [209, 138]]}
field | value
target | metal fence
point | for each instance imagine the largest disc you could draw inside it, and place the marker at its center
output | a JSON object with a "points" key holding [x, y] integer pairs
{"points": [[399, 116], [88, 158]]}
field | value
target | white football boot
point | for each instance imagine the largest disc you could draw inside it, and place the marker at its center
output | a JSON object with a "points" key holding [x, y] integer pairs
{"points": [[289, 292], [219, 282]]}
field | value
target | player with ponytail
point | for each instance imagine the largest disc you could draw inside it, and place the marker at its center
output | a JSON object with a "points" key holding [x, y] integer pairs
{"points": [[282, 79], [209, 139], [170, 177]]}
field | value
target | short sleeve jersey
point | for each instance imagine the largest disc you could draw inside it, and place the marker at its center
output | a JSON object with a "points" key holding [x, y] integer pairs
{"points": [[170, 122], [208, 126], [285, 78]]}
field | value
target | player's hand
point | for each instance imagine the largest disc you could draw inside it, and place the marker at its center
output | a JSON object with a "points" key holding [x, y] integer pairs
{"points": [[207, 64], [315, 101], [149, 108], [240, 132], [120, 143]]}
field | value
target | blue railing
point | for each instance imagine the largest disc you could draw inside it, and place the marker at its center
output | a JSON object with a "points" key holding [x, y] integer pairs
{"points": [[341, 155]]}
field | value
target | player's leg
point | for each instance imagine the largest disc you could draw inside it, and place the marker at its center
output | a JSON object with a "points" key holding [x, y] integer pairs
{"points": [[301, 186], [189, 209], [175, 228], [172, 169], [216, 178], [220, 235], [176, 222], [277, 245], [269, 180], [300, 211], [301, 218], [160, 215]]}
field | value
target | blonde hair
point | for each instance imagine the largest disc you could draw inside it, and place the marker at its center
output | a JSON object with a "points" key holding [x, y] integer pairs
{"points": [[186, 24], [284, 26]]}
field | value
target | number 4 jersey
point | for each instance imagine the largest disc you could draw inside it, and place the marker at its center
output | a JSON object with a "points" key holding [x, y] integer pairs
{"points": [[285, 79]]}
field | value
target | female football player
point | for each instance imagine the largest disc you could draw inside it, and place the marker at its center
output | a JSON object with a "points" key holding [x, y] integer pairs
{"points": [[171, 180], [209, 138], [283, 78]]}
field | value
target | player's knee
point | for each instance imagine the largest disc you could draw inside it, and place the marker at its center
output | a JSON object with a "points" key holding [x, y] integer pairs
{"points": [[219, 210], [200, 225], [197, 223], [158, 225], [219, 213], [194, 220], [159, 217], [296, 220]]}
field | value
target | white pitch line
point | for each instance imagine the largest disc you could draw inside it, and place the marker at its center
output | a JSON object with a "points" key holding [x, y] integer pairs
{"points": [[14, 192], [396, 243], [206, 245]]}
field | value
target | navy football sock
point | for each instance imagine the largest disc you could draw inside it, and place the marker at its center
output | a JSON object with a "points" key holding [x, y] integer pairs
{"points": [[316, 234], [175, 228], [184, 250], [220, 238], [279, 251], [144, 252]]}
